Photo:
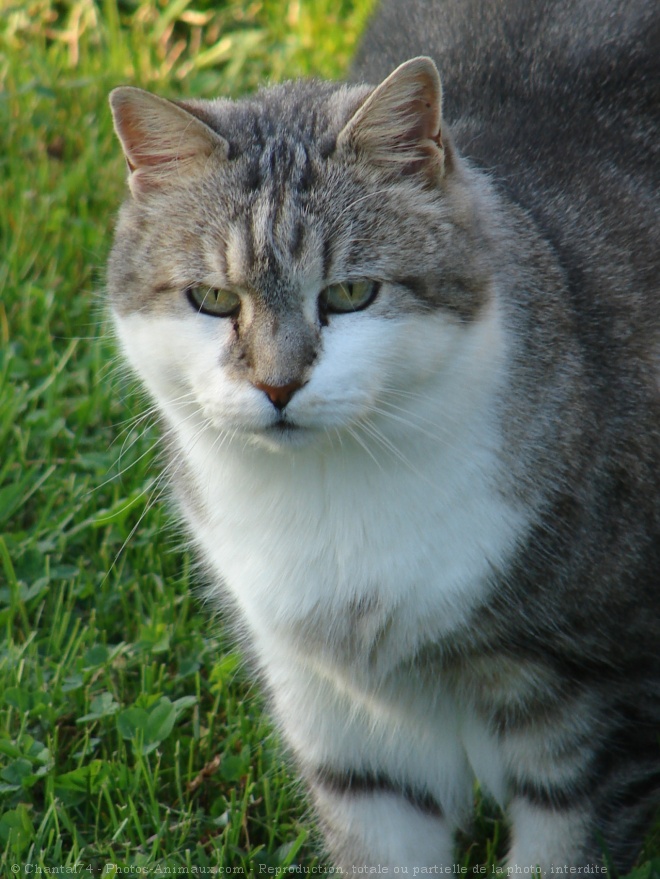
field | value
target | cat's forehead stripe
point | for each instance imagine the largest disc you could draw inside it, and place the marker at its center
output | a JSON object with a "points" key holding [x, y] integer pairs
{"points": [[285, 164]]}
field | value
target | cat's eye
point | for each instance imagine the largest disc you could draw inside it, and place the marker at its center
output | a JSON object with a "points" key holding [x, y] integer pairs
{"points": [[214, 301], [347, 296]]}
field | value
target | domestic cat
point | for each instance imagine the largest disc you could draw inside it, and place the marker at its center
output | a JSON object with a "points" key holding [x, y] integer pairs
{"points": [[407, 359]]}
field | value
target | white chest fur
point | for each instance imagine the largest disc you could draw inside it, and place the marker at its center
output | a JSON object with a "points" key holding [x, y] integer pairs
{"points": [[335, 548]]}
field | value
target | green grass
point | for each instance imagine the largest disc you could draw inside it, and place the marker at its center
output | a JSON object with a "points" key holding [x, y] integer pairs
{"points": [[129, 733]]}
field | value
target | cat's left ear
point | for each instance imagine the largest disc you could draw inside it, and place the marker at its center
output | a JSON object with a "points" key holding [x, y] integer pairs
{"points": [[162, 141], [399, 126]]}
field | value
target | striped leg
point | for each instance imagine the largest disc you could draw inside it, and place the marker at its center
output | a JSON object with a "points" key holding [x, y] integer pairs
{"points": [[387, 771], [582, 791], [546, 838], [368, 822], [546, 735]]}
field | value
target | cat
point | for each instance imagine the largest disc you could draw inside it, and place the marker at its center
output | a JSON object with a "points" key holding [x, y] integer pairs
{"points": [[407, 358]]}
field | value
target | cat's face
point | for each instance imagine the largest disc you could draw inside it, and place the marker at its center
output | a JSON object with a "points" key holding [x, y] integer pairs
{"points": [[282, 282]]}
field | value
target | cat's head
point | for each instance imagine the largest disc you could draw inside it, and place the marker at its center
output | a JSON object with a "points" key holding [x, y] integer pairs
{"points": [[292, 263]]}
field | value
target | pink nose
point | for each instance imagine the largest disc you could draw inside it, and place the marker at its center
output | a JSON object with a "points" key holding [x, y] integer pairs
{"points": [[279, 395]]}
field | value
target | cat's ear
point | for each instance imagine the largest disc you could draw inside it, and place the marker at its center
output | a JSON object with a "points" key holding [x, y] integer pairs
{"points": [[400, 124], [161, 140]]}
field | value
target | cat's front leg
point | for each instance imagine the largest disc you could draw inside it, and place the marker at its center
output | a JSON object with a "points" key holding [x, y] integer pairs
{"points": [[547, 839], [578, 828], [554, 790], [388, 776], [367, 823]]}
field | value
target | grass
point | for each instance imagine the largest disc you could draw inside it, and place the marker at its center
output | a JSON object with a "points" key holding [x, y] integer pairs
{"points": [[130, 738]]}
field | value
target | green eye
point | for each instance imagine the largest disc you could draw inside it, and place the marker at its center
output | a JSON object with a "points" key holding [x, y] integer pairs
{"points": [[210, 300], [348, 296]]}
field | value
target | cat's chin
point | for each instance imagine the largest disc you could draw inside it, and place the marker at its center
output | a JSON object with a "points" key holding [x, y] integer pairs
{"points": [[282, 436]]}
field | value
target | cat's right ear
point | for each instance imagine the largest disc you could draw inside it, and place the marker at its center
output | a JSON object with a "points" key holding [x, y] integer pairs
{"points": [[161, 140]]}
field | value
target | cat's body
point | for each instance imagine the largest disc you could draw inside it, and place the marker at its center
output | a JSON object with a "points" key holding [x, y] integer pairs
{"points": [[437, 518]]}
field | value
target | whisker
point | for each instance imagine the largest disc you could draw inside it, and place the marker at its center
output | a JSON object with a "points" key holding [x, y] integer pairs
{"points": [[135, 420], [396, 453], [160, 485], [354, 434], [409, 420], [125, 448]]}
